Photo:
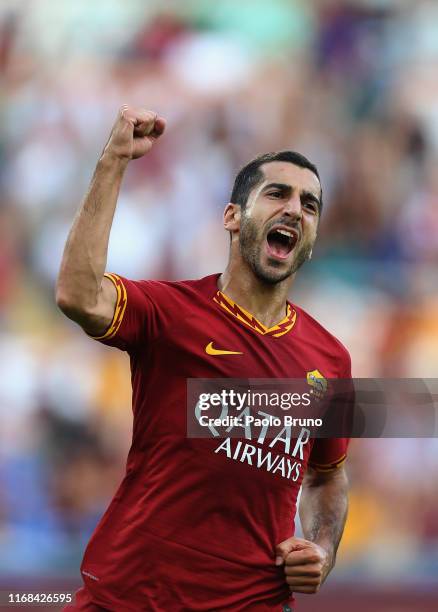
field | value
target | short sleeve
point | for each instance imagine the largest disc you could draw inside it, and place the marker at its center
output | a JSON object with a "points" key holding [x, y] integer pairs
{"points": [[329, 454], [135, 321]]}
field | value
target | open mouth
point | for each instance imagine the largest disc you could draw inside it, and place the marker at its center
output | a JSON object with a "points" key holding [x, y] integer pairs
{"points": [[281, 242]]}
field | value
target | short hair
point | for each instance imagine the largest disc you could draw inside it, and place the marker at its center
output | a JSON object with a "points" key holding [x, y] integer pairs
{"points": [[251, 175]]}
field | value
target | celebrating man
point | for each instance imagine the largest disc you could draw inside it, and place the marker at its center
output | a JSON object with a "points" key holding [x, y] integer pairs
{"points": [[193, 526]]}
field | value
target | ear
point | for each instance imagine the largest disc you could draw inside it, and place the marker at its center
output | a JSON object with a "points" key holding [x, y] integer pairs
{"points": [[232, 214]]}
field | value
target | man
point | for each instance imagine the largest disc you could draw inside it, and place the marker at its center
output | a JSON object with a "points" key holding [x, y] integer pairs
{"points": [[192, 527]]}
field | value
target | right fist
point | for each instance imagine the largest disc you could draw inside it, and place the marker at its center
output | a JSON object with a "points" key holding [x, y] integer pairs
{"points": [[134, 133]]}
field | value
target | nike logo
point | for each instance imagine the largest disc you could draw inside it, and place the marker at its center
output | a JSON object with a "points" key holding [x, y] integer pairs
{"points": [[212, 351]]}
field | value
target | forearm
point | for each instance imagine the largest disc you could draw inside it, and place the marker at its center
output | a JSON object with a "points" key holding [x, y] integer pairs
{"points": [[323, 510], [81, 293], [85, 254]]}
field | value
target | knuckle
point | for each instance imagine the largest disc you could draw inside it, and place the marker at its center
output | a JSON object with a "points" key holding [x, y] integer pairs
{"points": [[147, 115]]}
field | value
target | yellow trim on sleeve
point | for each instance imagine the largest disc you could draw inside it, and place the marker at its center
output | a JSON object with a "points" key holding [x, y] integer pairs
{"points": [[119, 310], [328, 467]]}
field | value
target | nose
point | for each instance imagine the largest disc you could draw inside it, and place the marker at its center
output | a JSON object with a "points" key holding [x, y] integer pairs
{"points": [[292, 207]]}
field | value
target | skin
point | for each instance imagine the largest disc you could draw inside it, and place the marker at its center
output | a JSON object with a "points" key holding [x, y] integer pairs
{"points": [[253, 278], [82, 292], [323, 511]]}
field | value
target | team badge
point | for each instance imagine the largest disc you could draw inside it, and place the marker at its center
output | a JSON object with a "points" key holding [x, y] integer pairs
{"points": [[318, 382]]}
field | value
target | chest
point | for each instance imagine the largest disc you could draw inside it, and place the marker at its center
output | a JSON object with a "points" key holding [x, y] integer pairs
{"points": [[207, 343]]}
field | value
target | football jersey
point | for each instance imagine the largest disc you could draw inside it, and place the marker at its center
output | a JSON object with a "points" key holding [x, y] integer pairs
{"points": [[192, 526]]}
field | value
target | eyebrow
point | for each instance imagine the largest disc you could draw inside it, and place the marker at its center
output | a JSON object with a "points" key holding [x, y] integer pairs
{"points": [[311, 196], [279, 186], [285, 188]]}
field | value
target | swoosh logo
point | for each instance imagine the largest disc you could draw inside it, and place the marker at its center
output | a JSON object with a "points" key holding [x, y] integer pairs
{"points": [[212, 351]]}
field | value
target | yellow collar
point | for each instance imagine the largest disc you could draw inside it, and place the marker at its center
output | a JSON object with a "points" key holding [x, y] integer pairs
{"points": [[281, 328]]}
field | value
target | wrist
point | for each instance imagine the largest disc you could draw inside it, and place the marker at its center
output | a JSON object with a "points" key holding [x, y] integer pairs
{"points": [[328, 552], [110, 161]]}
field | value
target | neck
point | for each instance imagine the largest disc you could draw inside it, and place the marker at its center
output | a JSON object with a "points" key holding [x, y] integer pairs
{"points": [[266, 302]]}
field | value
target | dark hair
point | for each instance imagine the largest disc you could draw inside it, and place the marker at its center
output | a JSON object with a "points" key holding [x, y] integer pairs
{"points": [[251, 174]]}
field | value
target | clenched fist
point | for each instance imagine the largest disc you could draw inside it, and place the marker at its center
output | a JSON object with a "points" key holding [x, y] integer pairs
{"points": [[134, 133], [306, 564]]}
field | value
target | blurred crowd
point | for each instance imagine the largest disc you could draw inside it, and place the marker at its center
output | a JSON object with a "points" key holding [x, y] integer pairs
{"points": [[352, 85]]}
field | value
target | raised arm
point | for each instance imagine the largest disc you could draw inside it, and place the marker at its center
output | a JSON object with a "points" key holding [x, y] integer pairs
{"points": [[82, 292], [323, 511]]}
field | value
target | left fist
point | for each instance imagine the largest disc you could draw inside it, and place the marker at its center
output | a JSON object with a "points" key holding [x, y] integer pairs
{"points": [[306, 564]]}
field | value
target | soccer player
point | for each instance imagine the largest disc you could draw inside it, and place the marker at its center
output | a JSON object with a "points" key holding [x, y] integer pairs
{"points": [[199, 524]]}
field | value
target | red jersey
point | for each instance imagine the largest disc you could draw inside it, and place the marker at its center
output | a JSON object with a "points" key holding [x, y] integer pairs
{"points": [[191, 526]]}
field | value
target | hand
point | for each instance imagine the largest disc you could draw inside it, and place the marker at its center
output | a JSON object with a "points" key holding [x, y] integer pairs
{"points": [[134, 133], [306, 564]]}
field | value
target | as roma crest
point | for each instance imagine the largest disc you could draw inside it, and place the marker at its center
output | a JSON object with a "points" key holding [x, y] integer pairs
{"points": [[318, 382]]}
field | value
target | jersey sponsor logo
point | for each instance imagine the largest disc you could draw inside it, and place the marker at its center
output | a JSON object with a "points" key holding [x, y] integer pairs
{"points": [[210, 350], [282, 455], [318, 382]]}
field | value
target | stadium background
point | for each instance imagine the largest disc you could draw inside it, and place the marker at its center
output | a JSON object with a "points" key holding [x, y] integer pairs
{"points": [[351, 84]]}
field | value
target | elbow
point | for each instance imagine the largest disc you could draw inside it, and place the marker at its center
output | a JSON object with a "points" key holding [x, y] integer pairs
{"points": [[65, 302], [70, 305], [61, 297]]}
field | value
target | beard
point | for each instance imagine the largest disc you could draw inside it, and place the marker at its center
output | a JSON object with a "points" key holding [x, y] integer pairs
{"points": [[251, 247]]}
